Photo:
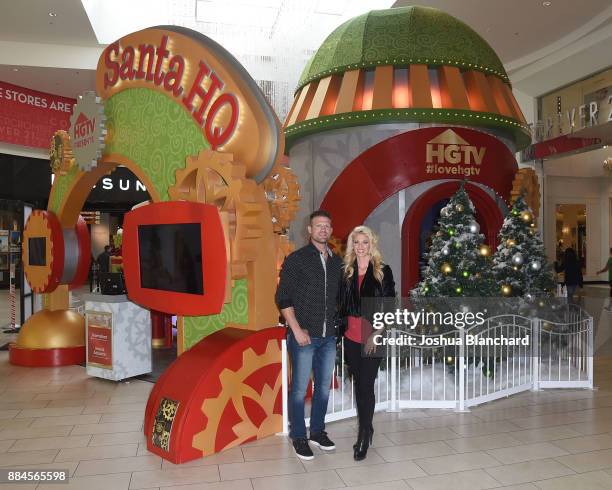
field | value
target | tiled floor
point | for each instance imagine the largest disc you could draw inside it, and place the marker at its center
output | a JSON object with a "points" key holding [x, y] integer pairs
{"points": [[61, 418]]}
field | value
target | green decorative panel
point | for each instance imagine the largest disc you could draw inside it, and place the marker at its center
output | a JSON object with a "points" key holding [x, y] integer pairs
{"points": [[519, 132], [153, 131], [158, 134], [197, 327], [61, 185], [402, 36]]}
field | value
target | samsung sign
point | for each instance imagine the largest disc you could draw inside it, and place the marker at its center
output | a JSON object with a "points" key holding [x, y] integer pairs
{"points": [[121, 186]]}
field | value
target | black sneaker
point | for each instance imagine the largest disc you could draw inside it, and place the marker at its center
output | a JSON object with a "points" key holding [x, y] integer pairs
{"points": [[322, 441], [302, 449]]}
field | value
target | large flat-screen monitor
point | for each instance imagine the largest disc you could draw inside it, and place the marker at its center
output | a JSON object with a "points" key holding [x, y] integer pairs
{"points": [[171, 257], [37, 251], [175, 258]]}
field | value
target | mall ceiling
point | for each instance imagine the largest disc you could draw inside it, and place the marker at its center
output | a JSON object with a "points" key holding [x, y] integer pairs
{"points": [[544, 44]]}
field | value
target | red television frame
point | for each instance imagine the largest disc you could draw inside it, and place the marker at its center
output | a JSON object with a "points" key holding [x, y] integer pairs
{"points": [[214, 259]]}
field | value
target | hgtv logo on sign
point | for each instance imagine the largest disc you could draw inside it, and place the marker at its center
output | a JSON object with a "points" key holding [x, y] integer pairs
{"points": [[84, 130], [449, 154], [87, 131]]}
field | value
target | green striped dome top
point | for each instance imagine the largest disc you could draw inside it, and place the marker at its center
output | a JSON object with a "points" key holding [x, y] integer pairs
{"points": [[402, 36]]}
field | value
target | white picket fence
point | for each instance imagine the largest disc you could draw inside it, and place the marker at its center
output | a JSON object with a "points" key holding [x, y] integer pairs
{"points": [[558, 355]]}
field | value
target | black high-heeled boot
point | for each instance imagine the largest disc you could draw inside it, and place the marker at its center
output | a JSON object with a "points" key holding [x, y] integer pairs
{"points": [[363, 443]]}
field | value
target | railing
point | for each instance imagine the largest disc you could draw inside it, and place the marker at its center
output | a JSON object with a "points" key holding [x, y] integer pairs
{"points": [[558, 354]]}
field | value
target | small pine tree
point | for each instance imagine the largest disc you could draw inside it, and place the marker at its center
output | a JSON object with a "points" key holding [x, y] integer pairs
{"points": [[520, 266], [458, 262]]}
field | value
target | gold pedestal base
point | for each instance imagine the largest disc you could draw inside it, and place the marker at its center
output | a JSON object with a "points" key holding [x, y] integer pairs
{"points": [[52, 330]]}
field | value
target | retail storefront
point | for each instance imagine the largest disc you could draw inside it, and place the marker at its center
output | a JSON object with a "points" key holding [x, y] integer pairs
{"points": [[574, 138]]}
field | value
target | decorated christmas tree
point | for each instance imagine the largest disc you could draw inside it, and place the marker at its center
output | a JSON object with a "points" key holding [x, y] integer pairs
{"points": [[458, 261], [520, 267]]}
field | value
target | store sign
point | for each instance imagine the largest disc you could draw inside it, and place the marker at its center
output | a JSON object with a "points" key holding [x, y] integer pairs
{"points": [[206, 81], [30, 118], [583, 116], [121, 186]]}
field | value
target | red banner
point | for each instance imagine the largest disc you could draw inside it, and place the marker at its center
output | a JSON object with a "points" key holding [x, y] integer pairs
{"points": [[100, 346], [30, 118]]}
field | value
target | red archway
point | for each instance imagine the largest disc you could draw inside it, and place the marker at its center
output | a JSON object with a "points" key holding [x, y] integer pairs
{"points": [[402, 161], [490, 220]]}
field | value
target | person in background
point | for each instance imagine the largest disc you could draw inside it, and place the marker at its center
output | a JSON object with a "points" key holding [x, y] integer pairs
{"points": [[104, 259], [306, 297], [364, 276], [608, 268], [573, 273]]}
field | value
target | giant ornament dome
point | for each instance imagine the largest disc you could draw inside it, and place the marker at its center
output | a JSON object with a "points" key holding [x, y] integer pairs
{"points": [[412, 64]]}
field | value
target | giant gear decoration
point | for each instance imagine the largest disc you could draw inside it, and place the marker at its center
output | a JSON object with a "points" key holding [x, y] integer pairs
{"points": [[283, 194], [88, 130], [213, 177]]}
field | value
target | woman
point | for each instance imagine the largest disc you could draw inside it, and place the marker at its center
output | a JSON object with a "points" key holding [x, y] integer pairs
{"points": [[364, 276], [573, 273]]}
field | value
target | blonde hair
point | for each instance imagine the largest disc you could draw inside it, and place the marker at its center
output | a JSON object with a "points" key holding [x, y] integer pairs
{"points": [[375, 255]]}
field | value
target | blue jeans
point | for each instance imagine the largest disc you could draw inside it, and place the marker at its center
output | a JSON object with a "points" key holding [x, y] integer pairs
{"points": [[319, 357]]}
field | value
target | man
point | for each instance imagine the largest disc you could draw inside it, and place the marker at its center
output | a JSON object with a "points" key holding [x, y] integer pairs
{"points": [[104, 259], [306, 297], [608, 268]]}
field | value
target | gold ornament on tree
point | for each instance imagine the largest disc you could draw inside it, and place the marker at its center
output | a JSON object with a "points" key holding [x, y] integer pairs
{"points": [[447, 268], [506, 290], [485, 250], [510, 242]]}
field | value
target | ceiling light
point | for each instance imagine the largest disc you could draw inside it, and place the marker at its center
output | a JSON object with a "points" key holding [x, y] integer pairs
{"points": [[52, 14], [15, 69], [547, 4]]}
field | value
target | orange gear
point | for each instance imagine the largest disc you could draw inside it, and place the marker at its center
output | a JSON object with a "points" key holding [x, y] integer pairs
{"points": [[235, 389], [210, 177], [283, 194], [213, 177], [526, 183], [284, 247], [46, 277]]}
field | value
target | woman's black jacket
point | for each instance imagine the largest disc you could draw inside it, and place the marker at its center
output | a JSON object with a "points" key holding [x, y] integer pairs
{"points": [[349, 295]]}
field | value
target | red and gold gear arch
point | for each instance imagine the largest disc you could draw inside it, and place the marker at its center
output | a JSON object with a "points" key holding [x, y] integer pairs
{"points": [[222, 392], [225, 389]]}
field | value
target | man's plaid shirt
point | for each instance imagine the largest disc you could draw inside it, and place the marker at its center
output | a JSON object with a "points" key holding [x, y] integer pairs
{"points": [[303, 285]]}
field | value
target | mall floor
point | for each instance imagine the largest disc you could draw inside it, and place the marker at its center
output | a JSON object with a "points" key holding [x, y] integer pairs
{"points": [[59, 418]]}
